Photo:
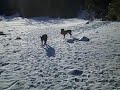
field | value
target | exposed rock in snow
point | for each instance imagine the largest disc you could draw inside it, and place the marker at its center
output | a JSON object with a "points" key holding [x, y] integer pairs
{"points": [[1, 33], [4, 64], [1, 71], [84, 39], [76, 72], [76, 79], [87, 22], [18, 38]]}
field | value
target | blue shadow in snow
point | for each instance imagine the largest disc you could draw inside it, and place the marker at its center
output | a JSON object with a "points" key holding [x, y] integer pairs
{"points": [[72, 40], [50, 51]]}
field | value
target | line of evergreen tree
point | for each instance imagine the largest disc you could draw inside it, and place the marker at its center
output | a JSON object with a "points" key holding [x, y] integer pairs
{"points": [[60, 8], [114, 10]]}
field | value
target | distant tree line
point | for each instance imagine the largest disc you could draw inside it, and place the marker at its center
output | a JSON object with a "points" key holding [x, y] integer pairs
{"points": [[31, 8], [59, 8], [114, 10]]}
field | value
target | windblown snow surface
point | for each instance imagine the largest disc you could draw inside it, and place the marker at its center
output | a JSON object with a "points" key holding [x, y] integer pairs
{"points": [[26, 65]]}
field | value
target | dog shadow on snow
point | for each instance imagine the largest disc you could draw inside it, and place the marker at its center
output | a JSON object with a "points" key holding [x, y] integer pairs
{"points": [[72, 40], [50, 51]]}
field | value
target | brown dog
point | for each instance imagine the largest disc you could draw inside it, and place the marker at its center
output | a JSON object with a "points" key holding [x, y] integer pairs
{"points": [[64, 32], [44, 39]]}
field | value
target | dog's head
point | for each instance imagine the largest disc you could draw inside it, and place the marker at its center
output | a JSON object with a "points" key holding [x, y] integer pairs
{"points": [[62, 30]]}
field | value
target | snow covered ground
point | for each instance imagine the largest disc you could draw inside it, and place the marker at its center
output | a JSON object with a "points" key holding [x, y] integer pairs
{"points": [[26, 65]]}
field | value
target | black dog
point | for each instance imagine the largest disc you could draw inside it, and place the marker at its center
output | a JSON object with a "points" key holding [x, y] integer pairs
{"points": [[44, 39], [64, 32]]}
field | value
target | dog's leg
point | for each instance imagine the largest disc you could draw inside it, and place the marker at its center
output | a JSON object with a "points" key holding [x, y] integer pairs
{"points": [[42, 42], [45, 42], [64, 36], [70, 35]]}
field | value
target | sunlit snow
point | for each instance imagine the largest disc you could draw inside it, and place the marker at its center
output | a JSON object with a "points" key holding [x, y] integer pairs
{"points": [[26, 65]]}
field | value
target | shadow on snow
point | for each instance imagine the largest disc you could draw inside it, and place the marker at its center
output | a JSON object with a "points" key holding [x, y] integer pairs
{"points": [[72, 40], [50, 51]]}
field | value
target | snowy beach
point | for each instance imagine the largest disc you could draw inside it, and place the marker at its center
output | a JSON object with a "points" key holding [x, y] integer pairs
{"points": [[26, 65]]}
